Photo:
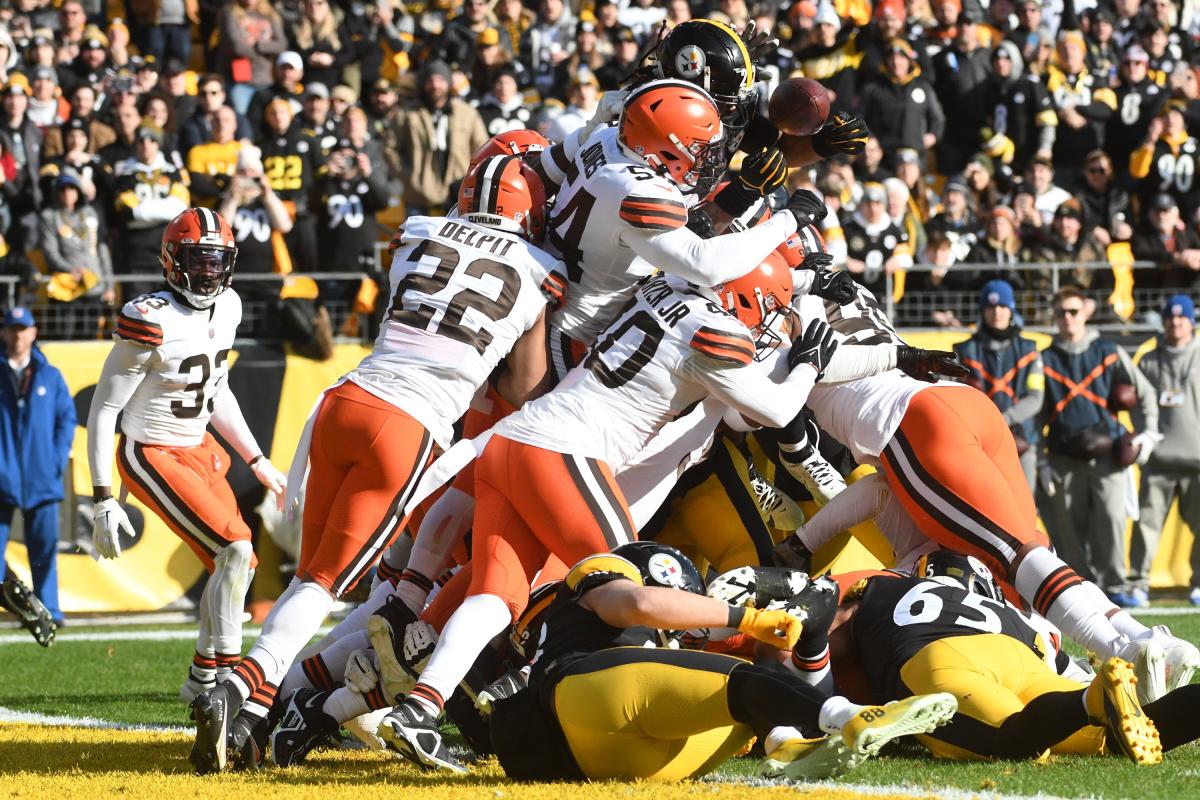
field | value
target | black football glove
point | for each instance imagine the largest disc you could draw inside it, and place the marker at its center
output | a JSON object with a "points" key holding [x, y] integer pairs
{"points": [[929, 365], [758, 43], [764, 172], [815, 347], [843, 134], [834, 286], [807, 207]]}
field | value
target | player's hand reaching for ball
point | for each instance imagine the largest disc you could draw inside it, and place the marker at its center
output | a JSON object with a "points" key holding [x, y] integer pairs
{"points": [[807, 207], [815, 347], [764, 172], [842, 134], [776, 628], [270, 477], [758, 43]]}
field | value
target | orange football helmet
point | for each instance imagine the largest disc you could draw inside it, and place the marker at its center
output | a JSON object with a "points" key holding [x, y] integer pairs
{"points": [[503, 192], [800, 245], [676, 128], [198, 255], [510, 143], [759, 294]]}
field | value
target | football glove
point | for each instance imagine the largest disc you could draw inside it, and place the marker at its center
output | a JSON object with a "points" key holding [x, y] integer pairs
{"points": [[1047, 479], [758, 43], [108, 520], [807, 207], [360, 674], [607, 110], [832, 285], [815, 347], [270, 477], [776, 628], [929, 365], [764, 172], [842, 134]]}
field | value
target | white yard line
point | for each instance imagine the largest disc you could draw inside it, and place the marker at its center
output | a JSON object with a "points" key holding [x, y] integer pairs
{"points": [[66, 636], [885, 789], [12, 716]]}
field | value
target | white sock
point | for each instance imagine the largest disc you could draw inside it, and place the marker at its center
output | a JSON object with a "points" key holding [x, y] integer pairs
{"points": [[294, 620], [836, 712], [467, 632], [411, 595], [354, 622], [778, 735], [345, 704], [1126, 625], [1080, 610]]}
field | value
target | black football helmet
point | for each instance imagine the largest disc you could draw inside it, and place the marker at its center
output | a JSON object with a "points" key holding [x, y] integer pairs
{"points": [[711, 55], [662, 565], [967, 571]]}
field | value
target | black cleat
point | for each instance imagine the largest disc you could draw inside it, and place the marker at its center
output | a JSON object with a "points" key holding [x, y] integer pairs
{"points": [[247, 744], [22, 602], [413, 732], [213, 712], [305, 726]]}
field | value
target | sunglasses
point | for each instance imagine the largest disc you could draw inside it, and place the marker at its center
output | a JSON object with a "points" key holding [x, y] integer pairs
{"points": [[1061, 313]]}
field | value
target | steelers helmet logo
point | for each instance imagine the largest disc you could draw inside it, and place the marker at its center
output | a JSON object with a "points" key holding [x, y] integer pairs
{"points": [[918, 95], [980, 568], [666, 570], [689, 61]]}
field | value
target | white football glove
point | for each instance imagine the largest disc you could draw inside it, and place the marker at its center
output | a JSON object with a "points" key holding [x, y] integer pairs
{"points": [[1147, 441], [108, 520], [420, 638], [360, 675], [607, 110], [272, 478]]}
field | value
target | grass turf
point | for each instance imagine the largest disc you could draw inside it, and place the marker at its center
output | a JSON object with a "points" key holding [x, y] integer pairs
{"points": [[136, 682]]}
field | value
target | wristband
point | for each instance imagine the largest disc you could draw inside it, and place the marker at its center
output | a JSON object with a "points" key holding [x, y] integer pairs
{"points": [[254, 460], [101, 493], [736, 615]]}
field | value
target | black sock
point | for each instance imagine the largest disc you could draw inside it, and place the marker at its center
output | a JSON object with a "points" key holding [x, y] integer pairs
{"points": [[1177, 716], [1044, 722]]}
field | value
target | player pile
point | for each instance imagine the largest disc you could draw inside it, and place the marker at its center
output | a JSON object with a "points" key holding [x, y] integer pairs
{"points": [[634, 350]]}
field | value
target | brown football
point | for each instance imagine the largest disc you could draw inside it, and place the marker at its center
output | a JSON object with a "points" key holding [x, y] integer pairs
{"points": [[1123, 397], [799, 106], [1124, 451]]}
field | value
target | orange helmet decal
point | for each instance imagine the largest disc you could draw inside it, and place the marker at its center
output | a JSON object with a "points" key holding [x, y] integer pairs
{"points": [[503, 192]]}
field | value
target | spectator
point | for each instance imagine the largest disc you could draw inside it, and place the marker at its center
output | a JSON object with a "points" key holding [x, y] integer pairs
{"points": [[513, 20], [1082, 496], [71, 23], [1023, 123], [37, 427], [999, 249], [961, 73], [158, 110], [75, 245], [957, 221], [315, 122], [829, 56], [1139, 100], [623, 62], [197, 128], [91, 66], [935, 297], [251, 36], [86, 166], [1068, 242], [643, 17], [380, 105], [490, 60], [26, 147], [1168, 159], [1047, 196], [876, 246], [1155, 39], [351, 192], [289, 70], [1084, 106], [173, 85], [503, 108], [548, 43], [457, 44], [322, 42], [118, 44], [583, 94], [127, 124], [385, 43], [1170, 244], [1103, 56], [432, 141], [1007, 368], [212, 164], [923, 201], [904, 214], [1173, 470], [1105, 204], [873, 41], [341, 100], [46, 107], [1030, 224], [164, 27], [148, 192], [978, 176], [903, 110], [869, 167], [586, 57]]}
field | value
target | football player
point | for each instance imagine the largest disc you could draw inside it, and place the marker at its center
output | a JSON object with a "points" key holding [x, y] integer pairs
{"points": [[544, 480], [949, 629], [168, 373], [465, 292]]}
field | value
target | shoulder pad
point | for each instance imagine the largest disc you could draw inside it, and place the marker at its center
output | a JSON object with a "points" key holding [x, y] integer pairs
{"points": [[139, 321], [724, 342], [653, 211], [598, 570]]}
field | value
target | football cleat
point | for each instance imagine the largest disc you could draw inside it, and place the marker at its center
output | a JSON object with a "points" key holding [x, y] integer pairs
{"points": [[193, 688], [247, 744], [1111, 702], [28, 609], [874, 726], [213, 712], [304, 727], [818, 476], [1149, 662], [1181, 657], [402, 644], [810, 759], [413, 732], [502, 688]]}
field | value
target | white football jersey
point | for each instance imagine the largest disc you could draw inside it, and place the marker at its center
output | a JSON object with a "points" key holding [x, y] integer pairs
{"points": [[605, 193], [462, 294], [638, 376], [189, 367]]}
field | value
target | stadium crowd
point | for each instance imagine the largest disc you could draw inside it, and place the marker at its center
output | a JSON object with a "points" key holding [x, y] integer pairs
{"points": [[1020, 133]]}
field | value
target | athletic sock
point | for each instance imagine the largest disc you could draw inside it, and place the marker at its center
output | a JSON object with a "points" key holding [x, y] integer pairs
{"points": [[836, 712], [259, 703], [345, 704], [780, 734], [1126, 625], [204, 668], [467, 632], [413, 589], [428, 698], [1175, 716], [1077, 607], [294, 620]]}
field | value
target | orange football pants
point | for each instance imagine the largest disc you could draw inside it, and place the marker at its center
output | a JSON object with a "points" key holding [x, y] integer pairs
{"points": [[186, 488], [364, 463], [450, 596], [953, 465], [476, 422], [531, 503]]}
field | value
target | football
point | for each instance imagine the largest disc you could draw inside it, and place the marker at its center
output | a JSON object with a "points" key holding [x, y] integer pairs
{"points": [[1123, 397], [1124, 451], [799, 106]]}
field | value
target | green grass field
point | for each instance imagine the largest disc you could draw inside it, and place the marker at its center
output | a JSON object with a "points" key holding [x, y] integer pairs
{"points": [[136, 682]]}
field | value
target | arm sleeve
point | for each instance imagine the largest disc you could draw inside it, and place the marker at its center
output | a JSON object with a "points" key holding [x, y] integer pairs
{"points": [[860, 501], [1146, 393], [123, 372], [853, 361], [555, 161], [751, 391], [708, 262], [228, 421]]}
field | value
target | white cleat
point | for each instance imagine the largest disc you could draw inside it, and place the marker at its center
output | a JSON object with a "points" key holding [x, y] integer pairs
{"points": [[810, 759], [1182, 658], [818, 476], [1149, 661]]}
